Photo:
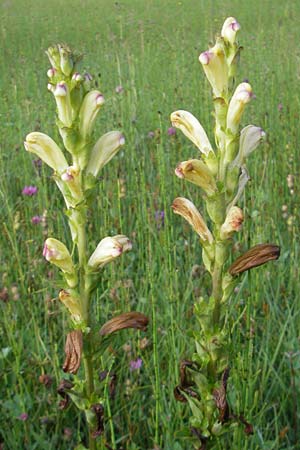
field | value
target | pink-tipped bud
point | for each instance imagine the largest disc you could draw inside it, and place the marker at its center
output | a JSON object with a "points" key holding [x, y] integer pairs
{"points": [[57, 253], [77, 77], [206, 57], [240, 98], [216, 69], [63, 102], [197, 172], [233, 222], [51, 72], [108, 249], [229, 29], [91, 104]]}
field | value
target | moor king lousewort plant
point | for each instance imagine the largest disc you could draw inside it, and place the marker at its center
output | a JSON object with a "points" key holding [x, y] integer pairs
{"points": [[221, 173], [75, 173]]}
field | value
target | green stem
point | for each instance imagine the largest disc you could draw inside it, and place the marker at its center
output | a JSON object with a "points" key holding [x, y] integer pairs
{"points": [[217, 292], [85, 300]]}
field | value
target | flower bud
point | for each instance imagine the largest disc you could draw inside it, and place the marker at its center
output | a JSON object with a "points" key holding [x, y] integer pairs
{"points": [[63, 103], [216, 70], [72, 178], [91, 104], [191, 127], [87, 81], [51, 72], [256, 256], [229, 29], [54, 57], [47, 150], [233, 222], [58, 254], [250, 139], [190, 213], [198, 173], [243, 180], [77, 77], [66, 63], [240, 98], [104, 150], [108, 249], [72, 303]]}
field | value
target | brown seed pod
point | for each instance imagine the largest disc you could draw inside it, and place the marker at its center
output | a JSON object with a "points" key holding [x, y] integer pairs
{"points": [[256, 256], [126, 320]]}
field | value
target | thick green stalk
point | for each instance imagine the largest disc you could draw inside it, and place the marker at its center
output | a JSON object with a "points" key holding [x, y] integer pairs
{"points": [[85, 300]]}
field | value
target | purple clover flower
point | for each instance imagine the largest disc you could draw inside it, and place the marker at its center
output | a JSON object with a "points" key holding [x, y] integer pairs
{"points": [[280, 107], [29, 190], [35, 220], [136, 364], [24, 416], [171, 131]]}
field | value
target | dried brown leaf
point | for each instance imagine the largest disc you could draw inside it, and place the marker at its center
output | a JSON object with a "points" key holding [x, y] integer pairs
{"points": [[256, 256], [126, 320], [73, 351]]}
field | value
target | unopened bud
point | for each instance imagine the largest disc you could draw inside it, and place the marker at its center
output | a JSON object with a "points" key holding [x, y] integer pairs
{"points": [[256, 256], [91, 104], [229, 29], [54, 57], [63, 103], [47, 150], [51, 72], [57, 253], [192, 128], [73, 303], [240, 98], [190, 213], [250, 139], [104, 150], [72, 177], [216, 70], [87, 81], [233, 222], [77, 77], [198, 173], [66, 63], [108, 249]]}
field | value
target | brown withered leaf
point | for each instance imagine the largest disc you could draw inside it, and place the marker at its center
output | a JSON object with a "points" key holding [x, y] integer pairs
{"points": [[98, 410], [256, 256], [219, 395], [126, 320], [63, 388], [73, 351]]}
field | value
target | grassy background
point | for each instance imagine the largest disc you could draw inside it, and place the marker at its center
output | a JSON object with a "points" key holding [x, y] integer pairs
{"points": [[151, 49]]}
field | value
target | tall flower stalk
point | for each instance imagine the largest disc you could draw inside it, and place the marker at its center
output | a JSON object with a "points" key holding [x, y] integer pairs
{"points": [[222, 175], [75, 173]]}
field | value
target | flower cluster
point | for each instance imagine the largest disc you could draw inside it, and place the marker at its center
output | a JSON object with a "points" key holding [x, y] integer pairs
{"points": [[221, 173], [78, 105]]}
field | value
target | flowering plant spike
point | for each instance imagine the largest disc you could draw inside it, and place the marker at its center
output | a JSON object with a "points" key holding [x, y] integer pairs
{"points": [[221, 174], [75, 173]]}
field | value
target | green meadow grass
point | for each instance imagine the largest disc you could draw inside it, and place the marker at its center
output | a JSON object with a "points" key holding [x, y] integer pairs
{"points": [[151, 48]]}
